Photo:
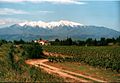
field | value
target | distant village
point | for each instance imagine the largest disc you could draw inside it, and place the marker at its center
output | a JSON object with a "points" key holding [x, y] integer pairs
{"points": [[42, 42]]}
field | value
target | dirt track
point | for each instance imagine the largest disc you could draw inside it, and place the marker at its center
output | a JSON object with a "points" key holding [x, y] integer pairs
{"points": [[74, 77]]}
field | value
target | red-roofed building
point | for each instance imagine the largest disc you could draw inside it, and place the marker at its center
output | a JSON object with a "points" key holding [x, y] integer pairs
{"points": [[42, 42]]}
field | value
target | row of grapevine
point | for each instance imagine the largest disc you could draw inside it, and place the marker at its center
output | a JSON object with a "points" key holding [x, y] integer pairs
{"points": [[106, 57]]}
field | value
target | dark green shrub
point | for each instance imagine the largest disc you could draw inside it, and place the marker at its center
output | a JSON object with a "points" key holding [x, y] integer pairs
{"points": [[33, 50]]}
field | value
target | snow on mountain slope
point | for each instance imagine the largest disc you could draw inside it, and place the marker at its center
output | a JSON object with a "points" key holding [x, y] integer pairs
{"points": [[50, 24], [52, 30]]}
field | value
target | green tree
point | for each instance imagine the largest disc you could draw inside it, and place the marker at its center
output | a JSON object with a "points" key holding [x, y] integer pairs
{"points": [[21, 41], [103, 41], [118, 40], [33, 51], [95, 42], [57, 40], [68, 41], [89, 41]]}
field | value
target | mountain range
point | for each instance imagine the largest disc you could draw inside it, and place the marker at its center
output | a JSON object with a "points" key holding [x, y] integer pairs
{"points": [[52, 30]]}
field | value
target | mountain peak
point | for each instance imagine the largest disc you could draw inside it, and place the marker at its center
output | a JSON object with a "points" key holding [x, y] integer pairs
{"points": [[65, 22], [52, 24]]}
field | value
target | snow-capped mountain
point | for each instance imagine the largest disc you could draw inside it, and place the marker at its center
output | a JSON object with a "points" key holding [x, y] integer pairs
{"points": [[50, 25], [52, 30]]}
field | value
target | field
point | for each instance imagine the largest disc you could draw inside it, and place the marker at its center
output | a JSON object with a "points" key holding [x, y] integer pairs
{"points": [[106, 57], [104, 61], [14, 69]]}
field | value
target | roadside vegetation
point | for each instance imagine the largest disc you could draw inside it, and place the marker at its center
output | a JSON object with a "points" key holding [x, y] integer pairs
{"points": [[13, 67]]}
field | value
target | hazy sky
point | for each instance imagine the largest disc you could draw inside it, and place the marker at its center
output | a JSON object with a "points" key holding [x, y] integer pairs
{"points": [[101, 13]]}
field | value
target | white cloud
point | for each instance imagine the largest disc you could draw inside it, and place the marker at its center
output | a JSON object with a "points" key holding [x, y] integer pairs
{"points": [[10, 21], [8, 11], [50, 1], [2, 22], [64, 1], [44, 12]]}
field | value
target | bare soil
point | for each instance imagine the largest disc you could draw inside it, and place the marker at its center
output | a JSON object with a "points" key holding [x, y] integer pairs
{"points": [[70, 76]]}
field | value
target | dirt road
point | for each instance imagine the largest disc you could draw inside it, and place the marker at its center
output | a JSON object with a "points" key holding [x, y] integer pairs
{"points": [[74, 77]]}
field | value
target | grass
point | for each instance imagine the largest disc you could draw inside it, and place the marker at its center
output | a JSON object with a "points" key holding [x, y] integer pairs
{"points": [[15, 70]]}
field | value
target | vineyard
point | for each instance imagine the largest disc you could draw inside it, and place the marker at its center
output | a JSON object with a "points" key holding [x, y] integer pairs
{"points": [[104, 56]]}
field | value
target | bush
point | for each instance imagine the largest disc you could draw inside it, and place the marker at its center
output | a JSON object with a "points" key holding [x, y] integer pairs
{"points": [[33, 50]]}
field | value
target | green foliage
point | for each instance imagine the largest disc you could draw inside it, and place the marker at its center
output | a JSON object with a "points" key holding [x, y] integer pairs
{"points": [[56, 59], [88, 42], [14, 69], [19, 42], [106, 57], [67, 41], [33, 50], [2, 42]]}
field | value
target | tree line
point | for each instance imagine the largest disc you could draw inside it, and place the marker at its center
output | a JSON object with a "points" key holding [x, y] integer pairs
{"points": [[88, 42]]}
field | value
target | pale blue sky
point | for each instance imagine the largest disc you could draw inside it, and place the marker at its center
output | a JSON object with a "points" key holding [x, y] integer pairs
{"points": [[100, 13]]}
